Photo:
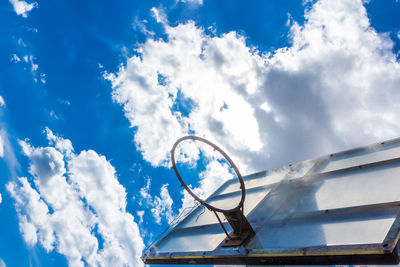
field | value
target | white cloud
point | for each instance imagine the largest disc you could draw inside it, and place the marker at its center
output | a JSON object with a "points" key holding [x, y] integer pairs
{"points": [[192, 63], [160, 206], [141, 26], [107, 197], [34, 67], [340, 62], [61, 144], [1, 147], [70, 201], [140, 214], [6, 148], [1, 199], [21, 42], [163, 205], [145, 192], [15, 58], [2, 102], [31, 59], [43, 78], [159, 15], [7, 151], [197, 2], [2, 263], [64, 102], [34, 225], [32, 29], [22, 8], [53, 115]]}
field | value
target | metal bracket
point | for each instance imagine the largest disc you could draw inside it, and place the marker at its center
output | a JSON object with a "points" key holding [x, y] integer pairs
{"points": [[242, 229], [236, 242]]}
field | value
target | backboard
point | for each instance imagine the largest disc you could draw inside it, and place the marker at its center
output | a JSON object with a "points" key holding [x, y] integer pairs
{"points": [[343, 208]]}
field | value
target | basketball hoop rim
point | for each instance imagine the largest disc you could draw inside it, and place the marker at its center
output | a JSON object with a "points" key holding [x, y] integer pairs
{"points": [[233, 166]]}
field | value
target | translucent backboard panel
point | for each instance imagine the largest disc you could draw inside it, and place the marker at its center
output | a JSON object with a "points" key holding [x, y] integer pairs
{"points": [[376, 153], [361, 187], [340, 209], [322, 231], [206, 238], [364, 187]]}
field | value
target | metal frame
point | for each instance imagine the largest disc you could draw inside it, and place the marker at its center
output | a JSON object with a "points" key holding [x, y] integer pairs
{"points": [[386, 252]]}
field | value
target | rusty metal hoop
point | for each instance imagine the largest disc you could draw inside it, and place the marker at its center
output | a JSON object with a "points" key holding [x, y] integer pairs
{"points": [[233, 166]]}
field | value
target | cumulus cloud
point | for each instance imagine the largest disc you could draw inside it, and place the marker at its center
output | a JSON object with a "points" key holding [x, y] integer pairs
{"points": [[341, 67], [2, 263], [74, 204], [61, 144], [189, 67], [22, 8], [1, 199], [333, 88]]}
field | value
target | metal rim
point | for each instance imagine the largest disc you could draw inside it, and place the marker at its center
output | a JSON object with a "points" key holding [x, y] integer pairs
{"points": [[233, 166]]}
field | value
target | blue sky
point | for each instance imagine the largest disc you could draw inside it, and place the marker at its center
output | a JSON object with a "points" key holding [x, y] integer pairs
{"points": [[94, 94]]}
